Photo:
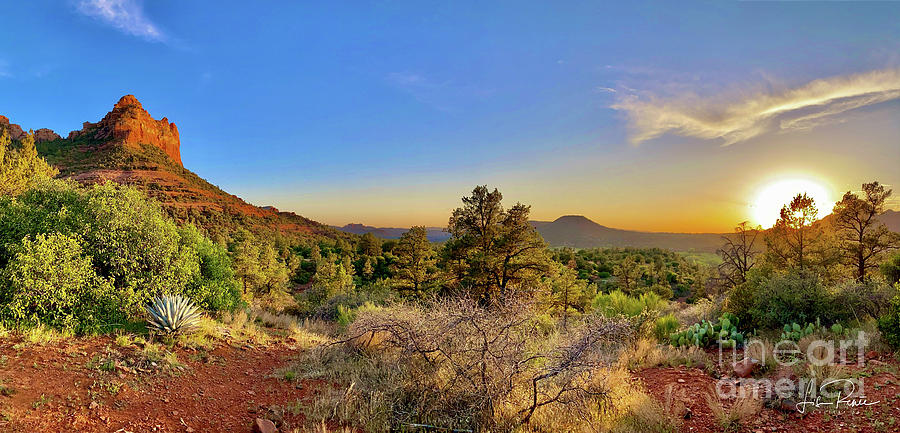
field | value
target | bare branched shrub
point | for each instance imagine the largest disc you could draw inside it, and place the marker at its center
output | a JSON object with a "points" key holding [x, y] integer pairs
{"points": [[454, 363]]}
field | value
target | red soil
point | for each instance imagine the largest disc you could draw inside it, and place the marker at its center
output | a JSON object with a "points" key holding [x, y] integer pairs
{"points": [[882, 383], [57, 389]]}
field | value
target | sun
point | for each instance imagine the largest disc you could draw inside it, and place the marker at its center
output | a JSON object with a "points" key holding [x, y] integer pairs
{"points": [[772, 196]]}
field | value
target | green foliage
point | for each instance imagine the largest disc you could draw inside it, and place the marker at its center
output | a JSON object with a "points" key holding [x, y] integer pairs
{"points": [[134, 250], [706, 334], [345, 316], [215, 288], [332, 278], [637, 270], [20, 167], [768, 300], [257, 264], [569, 295], [618, 303], [493, 251], [665, 326], [415, 270], [49, 280], [889, 324], [376, 294], [891, 269], [173, 315]]}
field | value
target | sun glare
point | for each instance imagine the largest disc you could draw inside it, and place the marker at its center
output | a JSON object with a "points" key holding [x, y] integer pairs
{"points": [[771, 197]]}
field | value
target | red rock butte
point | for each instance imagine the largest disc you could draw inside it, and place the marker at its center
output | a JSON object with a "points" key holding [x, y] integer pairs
{"points": [[129, 124]]}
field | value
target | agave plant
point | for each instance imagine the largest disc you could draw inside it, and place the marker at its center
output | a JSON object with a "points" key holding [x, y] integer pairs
{"points": [[173, 314]]}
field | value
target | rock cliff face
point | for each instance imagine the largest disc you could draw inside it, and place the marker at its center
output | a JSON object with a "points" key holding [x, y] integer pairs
{"points": [[44, 134], [129, 124], [15, 131]]}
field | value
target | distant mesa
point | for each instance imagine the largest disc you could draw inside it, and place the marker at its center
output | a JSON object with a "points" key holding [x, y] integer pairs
{"points": [[129, 124]]}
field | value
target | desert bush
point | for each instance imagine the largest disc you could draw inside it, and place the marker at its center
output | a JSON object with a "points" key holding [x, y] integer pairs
{"points": [[665, 326], [702, 309], [767, 301], [869, 299], [120, 235], [330, 308], [618, 303], [455, 364], [241, 327], [889, 323], [48, 280], [890, 269]]}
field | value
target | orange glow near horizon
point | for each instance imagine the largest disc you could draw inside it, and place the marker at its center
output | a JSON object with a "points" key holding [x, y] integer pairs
{"points": [[774, 195]]}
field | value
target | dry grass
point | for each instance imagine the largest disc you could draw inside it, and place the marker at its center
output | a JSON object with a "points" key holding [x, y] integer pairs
{"points": [[323, 428], [734, 417], [703, 309], [762, 350], [277, 321], [207, 335], [241, 328], [646, 353]]}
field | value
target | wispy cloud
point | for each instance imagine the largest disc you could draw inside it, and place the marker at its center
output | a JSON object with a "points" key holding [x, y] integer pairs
{"points": [[125, 15], [4, 69], [743, 117]]}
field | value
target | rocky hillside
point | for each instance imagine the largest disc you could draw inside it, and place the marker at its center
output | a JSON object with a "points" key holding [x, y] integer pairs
{"points": [[131, 147], [128, 124]]}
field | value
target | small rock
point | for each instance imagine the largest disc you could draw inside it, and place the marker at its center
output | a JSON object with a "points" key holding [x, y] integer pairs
{"points": [[264, 426], [745, 368], [681, 380], [788, 405]]}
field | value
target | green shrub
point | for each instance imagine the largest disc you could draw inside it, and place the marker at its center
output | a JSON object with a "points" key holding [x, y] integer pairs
{"points": [[48, 280], [618, 303], [889, 324], [665, 326], [345, 316], [114, 237], [215, 287], [769, 301]]}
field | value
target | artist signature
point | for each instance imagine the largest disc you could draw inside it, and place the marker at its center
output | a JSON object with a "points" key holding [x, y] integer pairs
{"points": [[848, 400]]}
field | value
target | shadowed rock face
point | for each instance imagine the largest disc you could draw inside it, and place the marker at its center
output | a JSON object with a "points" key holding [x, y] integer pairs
{"points": [[15, 131], [129, 124]]}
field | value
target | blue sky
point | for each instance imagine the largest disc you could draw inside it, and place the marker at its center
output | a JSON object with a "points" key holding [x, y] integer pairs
{"points": [[645, 115]]}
